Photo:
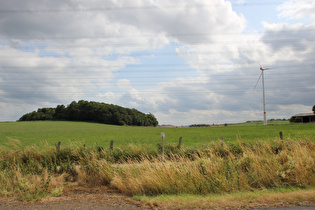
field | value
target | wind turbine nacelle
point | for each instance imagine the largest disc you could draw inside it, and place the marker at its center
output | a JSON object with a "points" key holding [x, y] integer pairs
{"points": [[263, 69]]}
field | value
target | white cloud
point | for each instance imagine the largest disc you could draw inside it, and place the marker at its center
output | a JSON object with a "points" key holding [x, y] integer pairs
{"points": [[240, 1], [55, 52], [297, 9], [124, 84]]}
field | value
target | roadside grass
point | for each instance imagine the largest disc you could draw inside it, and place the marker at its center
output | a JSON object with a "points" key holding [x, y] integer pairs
{"points": [[27, 186], [239, 200], [221, 169], [30, 172]]}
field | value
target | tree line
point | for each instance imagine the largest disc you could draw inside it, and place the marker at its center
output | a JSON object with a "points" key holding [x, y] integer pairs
{"points": [[93, 112]]}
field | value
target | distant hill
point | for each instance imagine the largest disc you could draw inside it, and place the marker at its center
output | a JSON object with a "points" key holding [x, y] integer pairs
{"points": [[90, 111]]}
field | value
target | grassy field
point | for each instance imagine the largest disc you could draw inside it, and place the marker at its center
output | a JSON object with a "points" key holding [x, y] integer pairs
{"points": [[251, 159], [252, 123], [93, 134]]}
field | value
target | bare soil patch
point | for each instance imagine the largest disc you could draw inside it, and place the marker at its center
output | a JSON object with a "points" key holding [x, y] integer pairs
{"points": [[78, 198], [83, 197]]}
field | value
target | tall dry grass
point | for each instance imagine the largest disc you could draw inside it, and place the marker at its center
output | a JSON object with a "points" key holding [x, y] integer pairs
{"points": [[215, 168], [30, 172], [219, 169]]}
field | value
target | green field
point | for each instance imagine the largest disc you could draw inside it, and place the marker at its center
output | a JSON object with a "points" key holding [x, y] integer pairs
{"points": [[94, 134], [204, 166]]}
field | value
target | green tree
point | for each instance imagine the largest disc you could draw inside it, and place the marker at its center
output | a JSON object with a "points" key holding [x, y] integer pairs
{"points": [[60, 113], [72, 111], [313, 109], [45, 113], [93, 111], [152, 120], [84, 110]]}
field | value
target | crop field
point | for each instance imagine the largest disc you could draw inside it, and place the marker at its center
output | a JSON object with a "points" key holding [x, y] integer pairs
{"points": [[93, 134]]}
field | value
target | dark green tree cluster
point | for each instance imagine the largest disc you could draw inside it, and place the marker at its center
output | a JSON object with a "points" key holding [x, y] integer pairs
{"points": [[200, 125], [93, 112]]}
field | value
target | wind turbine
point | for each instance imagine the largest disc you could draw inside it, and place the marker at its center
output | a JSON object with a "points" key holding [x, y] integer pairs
{"points": [[263, 87]]}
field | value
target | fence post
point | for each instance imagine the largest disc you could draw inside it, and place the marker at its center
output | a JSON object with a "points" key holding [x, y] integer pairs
{"points": [[111, 147], [281, 135], [58, 146], [222, 141], [163, 137], [180, 142]]}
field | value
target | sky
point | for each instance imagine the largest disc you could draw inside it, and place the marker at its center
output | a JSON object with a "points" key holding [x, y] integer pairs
{"points": [[186, 62]]}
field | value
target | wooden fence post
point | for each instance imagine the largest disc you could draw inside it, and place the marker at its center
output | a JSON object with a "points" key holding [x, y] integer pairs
{"points": [[163, 137], [281, 135], [222, 141], [179, 143], [58, 146], [111, 147]]}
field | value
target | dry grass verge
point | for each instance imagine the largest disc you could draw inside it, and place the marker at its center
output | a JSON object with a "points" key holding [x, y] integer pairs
{"points": [[259, 166], [245, 200], [216, 169]]}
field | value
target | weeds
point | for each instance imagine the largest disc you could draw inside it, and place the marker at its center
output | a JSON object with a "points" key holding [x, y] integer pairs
{"points": [[31, 173], [220, 169]]}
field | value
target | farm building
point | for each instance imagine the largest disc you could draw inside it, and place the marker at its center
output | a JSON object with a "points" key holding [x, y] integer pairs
{"points": [[303, 118]]}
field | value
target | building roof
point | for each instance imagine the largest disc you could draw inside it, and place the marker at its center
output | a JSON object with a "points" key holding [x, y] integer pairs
{"points": [[304, 115]]}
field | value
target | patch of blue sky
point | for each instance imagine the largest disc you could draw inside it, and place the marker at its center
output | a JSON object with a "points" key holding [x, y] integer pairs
{"points": [[44, 53], [27, 48], [110, 57], [67, 54], [40, 47], [160, 65], [2, 43], [256, 12], [18, 46]]}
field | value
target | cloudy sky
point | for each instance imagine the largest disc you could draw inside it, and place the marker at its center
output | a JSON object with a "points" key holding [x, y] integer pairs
{"points": [[186, 62]]}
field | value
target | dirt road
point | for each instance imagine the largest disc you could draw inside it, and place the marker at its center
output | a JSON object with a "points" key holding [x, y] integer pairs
{"points": [[94, 198], [77, 199]]}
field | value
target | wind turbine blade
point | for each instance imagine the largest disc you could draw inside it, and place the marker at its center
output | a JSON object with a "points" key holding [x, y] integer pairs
{"points": [[258, 80]]}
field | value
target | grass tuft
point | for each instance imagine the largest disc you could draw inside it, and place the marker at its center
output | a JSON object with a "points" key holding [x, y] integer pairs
{"points": [[32, 173]]}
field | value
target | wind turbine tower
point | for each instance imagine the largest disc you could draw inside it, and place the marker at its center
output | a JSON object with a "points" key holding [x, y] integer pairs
{"points": [[263, 87]]}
